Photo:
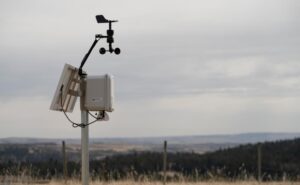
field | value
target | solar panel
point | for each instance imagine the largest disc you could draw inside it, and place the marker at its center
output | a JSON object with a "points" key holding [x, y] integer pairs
{"points": [[67, 90]]}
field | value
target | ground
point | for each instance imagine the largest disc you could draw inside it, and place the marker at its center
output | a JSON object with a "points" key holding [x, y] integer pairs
{"points": [[176, 183]]}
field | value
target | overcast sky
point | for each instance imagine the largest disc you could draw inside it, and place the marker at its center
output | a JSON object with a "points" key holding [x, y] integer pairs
{"points": [[186, 67]]}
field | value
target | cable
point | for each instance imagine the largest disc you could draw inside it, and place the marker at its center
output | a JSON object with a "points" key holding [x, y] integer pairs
{"points": [[75, 125]]}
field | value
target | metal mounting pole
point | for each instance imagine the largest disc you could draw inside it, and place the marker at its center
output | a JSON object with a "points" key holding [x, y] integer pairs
{"points": [[84, 135], [84, 149]]}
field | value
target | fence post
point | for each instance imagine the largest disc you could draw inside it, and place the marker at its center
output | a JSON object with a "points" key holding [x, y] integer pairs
{"points": [[165, 162], [65, 169], [259, 162]]}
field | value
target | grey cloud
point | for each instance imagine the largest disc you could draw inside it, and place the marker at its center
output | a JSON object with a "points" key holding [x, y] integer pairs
{"points": [[171, 49]]}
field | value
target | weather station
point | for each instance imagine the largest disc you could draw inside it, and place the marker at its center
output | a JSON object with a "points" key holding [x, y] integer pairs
{"points": [[96, 94]]}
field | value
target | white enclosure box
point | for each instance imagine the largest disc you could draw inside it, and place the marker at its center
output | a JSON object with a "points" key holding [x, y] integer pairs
{"points": [[99, 93]]}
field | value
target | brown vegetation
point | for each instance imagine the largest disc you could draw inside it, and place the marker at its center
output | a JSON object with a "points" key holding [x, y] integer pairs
{"points": [[176, 183]]}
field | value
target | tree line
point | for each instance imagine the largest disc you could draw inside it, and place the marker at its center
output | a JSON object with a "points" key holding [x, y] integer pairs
{"points": [[280, 160]]}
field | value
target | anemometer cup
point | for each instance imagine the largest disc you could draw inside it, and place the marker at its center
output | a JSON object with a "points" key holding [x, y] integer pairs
{"points": [[117, 51], [102, 51]]}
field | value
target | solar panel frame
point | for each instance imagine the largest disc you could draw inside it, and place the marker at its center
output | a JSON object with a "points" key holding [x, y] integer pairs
{"points": [[67, 90]]}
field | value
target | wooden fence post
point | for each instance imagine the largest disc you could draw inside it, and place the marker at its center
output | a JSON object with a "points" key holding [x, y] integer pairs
{"points": [[65, 168], [165, 162], [259, 162]]}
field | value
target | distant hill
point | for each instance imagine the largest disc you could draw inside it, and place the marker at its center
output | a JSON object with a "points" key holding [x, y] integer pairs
{"points": [[243, 138], [39, 149], [280, 160], [182, 140]]}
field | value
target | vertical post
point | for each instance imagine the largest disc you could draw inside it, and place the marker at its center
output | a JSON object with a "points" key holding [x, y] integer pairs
{"points": [[65, 169], [165, 162], [84, 149], [259, 162], [84, 135]]}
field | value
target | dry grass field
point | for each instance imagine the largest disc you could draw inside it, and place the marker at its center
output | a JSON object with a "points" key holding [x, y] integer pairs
{"points": [[175, 183]]}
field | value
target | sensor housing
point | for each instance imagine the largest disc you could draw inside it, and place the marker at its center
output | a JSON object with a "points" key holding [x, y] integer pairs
{"points": [[99, 93]]}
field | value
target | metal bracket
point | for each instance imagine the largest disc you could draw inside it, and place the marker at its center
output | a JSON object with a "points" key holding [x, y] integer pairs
{"points": [[74, 93]]}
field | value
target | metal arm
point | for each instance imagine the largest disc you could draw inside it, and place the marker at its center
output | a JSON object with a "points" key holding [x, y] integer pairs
{"points": [[109, 40], [86, 56]]}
